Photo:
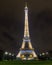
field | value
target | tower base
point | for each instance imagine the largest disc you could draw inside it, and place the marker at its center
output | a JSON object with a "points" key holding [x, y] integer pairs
{"points": [[27, 55]]}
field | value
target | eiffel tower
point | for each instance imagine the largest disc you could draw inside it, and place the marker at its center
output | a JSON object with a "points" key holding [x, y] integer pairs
{"points": [[26, 51]]}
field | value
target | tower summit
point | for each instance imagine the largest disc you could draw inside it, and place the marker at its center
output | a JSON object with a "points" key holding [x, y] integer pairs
{"points": [[26, 51]]}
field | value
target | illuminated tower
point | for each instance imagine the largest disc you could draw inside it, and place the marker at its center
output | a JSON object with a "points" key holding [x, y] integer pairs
{"points": [[26, 51]]}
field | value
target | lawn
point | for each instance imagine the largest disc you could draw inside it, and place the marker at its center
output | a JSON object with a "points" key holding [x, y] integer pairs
{"points": [[26, 62]]}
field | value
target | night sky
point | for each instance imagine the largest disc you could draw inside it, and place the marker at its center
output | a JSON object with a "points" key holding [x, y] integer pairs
{"points": [[12, 24]]}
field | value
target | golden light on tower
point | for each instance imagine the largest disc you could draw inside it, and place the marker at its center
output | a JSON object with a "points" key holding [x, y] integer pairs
{"points": [[26, 51]]}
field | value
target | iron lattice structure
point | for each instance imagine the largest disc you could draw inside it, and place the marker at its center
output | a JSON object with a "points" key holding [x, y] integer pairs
{"points": [[26, 51]]}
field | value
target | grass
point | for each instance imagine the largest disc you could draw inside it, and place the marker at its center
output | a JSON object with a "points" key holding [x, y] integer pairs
{"points": [[26, 62]]}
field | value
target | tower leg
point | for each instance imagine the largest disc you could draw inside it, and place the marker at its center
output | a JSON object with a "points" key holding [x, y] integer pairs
{"points": [[18, 56]]}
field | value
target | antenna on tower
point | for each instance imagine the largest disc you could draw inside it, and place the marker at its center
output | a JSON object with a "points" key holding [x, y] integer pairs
{"points": [[25, 3], [26, 8]]}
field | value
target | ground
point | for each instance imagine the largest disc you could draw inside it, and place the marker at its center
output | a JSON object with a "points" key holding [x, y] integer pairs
{"points": [[26, 62]]}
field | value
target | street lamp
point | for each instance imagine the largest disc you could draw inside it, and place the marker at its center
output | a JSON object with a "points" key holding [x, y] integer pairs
{"points": [[46, 53], [6, 53], [40, 54], [43, 53], [12, 54], [9, 53]]}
